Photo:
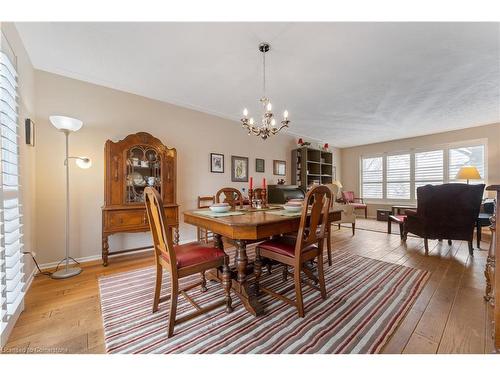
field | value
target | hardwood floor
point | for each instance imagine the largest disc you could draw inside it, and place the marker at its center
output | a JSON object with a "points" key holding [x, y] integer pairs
{"points": [[449, 316]]}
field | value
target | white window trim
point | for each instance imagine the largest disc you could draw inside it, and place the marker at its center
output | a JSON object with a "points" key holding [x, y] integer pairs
{"points": [[444, 146]]}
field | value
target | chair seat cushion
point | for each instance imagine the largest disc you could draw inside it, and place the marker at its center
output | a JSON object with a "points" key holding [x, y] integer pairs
{"points": [[194, 253], [284, 246], [358, 205], [398, 218]]}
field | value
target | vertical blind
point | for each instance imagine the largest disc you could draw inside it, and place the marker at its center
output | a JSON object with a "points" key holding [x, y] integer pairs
{"points": [[372, 177], [398, 176], [11, 262]]}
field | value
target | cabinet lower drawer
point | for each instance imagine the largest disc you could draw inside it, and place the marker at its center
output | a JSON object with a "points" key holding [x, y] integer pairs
{"points": [[133, 219]]}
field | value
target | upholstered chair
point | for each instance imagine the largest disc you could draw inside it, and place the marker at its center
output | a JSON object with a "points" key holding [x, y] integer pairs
{"points": [[348, 197], [447, 211]]}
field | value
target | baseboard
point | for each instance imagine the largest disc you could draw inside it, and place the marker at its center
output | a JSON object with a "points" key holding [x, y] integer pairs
{"points": [[90, 258]]}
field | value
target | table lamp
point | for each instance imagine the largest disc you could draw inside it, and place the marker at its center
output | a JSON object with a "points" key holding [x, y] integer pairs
{"points": [[468, 173], [68, 125]]}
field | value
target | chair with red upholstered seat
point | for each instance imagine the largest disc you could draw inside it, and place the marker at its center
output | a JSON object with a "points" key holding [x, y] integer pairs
{"points": [[358, 203], [181, 261], [296, 251]]}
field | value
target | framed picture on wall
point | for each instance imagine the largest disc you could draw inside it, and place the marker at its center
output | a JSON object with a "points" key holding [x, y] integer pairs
{"points": [[260, 165], [216, 163], [29, 127], [239, 169], [279, 167]]}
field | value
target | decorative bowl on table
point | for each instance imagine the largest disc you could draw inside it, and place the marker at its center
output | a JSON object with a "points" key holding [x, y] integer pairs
{"points": [[220, 207]]}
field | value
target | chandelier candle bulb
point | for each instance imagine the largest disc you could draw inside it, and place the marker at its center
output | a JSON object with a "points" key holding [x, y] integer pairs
{"points": [[251, 120], [245, 112], [269, 106], [285, 114]]}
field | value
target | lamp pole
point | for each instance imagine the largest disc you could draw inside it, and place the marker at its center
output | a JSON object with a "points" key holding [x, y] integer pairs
{"points": [[67, 272]]}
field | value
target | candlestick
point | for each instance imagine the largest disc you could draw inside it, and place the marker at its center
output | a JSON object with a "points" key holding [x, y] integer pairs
{"points": [[251, 182], [264, 183], [263, 197], [250, 197]]}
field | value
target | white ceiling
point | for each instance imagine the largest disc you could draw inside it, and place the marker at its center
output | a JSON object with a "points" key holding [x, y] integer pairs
{"points": [[345, 83]]}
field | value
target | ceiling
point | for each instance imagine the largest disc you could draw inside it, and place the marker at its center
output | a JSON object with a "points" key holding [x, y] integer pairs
{"points": [[344, 83]]}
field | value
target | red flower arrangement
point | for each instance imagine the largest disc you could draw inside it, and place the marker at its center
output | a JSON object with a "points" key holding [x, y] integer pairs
{"points": [[325, 146]]}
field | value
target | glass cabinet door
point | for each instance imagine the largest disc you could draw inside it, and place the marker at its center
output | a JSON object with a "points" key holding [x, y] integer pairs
{"points": [[143, 169]]}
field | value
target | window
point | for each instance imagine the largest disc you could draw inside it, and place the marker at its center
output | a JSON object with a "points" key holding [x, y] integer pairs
{"points": [[11, 262], [372, 177], [429, 168], [397, 176], [460, 156]]}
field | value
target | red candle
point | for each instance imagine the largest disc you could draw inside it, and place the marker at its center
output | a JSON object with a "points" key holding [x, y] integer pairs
{"points": [[251, 182], [264, 183]]}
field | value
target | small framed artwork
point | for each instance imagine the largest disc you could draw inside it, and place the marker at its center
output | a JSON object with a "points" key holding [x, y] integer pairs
{"points": [[260, 165], [279, 167], [30, 132], [239, 169], [216, 163]]}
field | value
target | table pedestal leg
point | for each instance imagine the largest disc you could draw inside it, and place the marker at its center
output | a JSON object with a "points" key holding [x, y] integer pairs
{"points": [[239, 284]]}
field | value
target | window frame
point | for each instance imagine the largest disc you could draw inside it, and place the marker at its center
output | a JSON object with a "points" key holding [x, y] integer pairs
{"points": [[445, 147]]}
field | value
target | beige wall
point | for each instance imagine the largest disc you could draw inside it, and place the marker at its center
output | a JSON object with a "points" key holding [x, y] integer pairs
{"points": [[350, 157], [12, 45], [111, 114]]}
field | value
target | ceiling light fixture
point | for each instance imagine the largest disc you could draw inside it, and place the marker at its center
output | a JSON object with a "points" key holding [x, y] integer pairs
{"points": [[268, 122]]}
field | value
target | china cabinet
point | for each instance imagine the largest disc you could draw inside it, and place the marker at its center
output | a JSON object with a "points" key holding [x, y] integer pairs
{"points": [[137, 161], [492, 272]]}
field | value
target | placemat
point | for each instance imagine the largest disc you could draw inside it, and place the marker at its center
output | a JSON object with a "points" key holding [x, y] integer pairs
{"points": [[219, 214], [284, 213]]}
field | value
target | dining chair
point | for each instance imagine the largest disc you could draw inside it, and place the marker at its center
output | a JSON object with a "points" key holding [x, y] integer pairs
{"points": [[203, 235], [295, 252], [230, 195], [181, 261]]}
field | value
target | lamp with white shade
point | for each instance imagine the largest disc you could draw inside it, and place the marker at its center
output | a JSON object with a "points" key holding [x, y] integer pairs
{"points": [[468, 173], [67, 125]]}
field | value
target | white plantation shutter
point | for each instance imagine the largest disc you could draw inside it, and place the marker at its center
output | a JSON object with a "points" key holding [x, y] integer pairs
{"points": [[11, 262], [429, 168], [467, 155], [398, 176], [372, 177]]}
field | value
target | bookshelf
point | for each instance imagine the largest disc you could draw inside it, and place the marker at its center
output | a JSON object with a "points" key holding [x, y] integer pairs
{"points": [[312, 166]]}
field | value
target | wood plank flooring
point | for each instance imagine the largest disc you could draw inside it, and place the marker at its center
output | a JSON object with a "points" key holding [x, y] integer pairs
{"points": [[449, 316]]}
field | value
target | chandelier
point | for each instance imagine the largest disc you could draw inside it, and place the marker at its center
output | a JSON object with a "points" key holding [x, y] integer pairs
{"points": [[268, 122]]}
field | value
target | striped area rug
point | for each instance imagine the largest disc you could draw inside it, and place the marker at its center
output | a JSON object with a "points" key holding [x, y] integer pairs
{"points": [[366, 301]]}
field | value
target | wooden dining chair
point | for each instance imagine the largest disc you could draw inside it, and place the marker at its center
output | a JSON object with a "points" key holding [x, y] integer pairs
{"points": [[229, 195], [203, 235], [182, 261], [294, 252]]}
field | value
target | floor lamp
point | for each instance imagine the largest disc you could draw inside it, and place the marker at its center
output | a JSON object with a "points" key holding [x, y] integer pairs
{"points": [[68, 125]]}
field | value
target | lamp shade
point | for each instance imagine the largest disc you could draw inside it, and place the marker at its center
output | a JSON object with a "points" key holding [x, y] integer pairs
{"points": [[468, 173], [83, 162], [66, 123]]}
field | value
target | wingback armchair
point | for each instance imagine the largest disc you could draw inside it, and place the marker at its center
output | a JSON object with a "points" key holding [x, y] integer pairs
{"points": [[445, 211], [358, 203]]}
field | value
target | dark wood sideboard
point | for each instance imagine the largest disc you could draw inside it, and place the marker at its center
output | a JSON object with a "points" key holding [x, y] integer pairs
{"points": [[492, 272], [137, 161]]}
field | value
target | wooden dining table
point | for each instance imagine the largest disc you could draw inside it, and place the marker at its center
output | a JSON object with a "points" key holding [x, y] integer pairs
{"points": [[252, 226]]}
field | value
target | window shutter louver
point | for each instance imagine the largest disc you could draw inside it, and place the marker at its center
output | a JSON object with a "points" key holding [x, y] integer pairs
{"points": [[11, 260], [429, 168], [372, 177], [398, 176], [471, 155]]}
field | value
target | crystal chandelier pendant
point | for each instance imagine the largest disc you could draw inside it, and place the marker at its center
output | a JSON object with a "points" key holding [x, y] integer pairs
{"points": [[268, 122]]}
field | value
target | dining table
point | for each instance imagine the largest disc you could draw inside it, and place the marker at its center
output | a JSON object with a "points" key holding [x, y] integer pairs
{"points": [[244, 226]]}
